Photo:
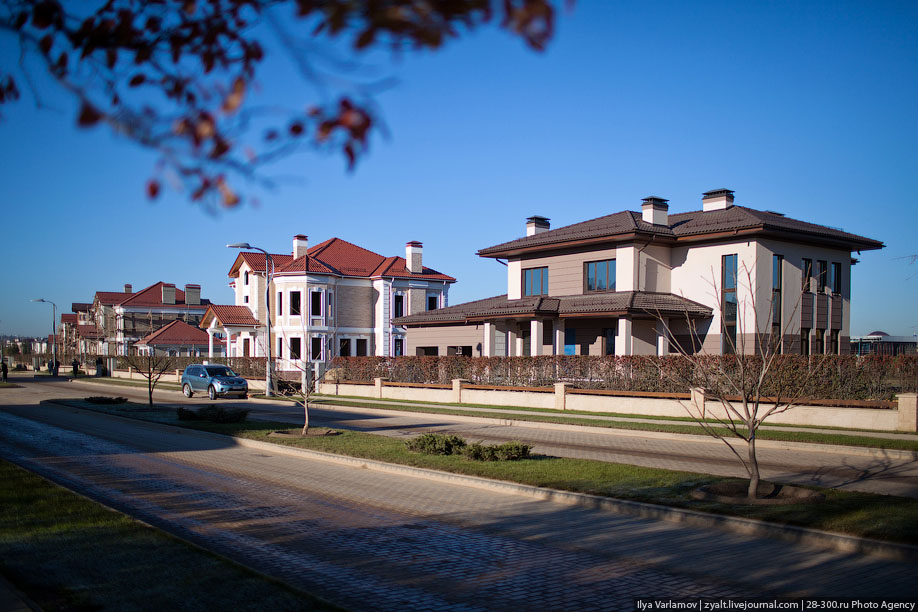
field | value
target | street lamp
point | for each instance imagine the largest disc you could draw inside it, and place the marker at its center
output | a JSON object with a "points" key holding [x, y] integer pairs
{"points": [[269, 275], [53, 333]]}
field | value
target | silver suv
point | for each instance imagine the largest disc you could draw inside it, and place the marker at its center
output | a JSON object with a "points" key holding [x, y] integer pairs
{"points": [[215, 380]]}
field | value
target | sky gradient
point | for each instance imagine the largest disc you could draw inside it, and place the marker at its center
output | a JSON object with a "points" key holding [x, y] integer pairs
{"points": [[806, 108]]}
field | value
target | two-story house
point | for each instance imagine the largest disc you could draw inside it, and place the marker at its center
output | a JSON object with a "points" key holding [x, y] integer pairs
{"points": [[715, 280], [330, 299]]}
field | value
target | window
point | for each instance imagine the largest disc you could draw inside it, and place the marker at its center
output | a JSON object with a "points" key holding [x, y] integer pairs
{"points": [[609, 336], [835, 278], [729, 304], [315, 352], [361, 347], [804, 341], [777, 285], [399, 307], [426, 351], [245, 347], [315, 304], [433, 301], [295, 306], [807, 269], [245, 299], [570, 341], [246, 278], [833, 342], [295, 348], [331, 304], [399, 347], [280, 303], [344, 347], [280, 347], [535, 281], [822, 271], [600, 275]]}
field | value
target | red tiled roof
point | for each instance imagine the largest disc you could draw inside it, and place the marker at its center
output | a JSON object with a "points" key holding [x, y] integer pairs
{"points": [[110, 298], [256, 261], [337, 256], [153, 296], [177, 333], [230, 315], [69, 318]]}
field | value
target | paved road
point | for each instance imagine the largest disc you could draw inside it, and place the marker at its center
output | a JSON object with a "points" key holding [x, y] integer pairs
{"points": [[886, 473], [378, 541]]}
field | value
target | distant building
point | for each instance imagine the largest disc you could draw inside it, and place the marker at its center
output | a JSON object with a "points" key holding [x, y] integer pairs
{"points": [[881, 343]]}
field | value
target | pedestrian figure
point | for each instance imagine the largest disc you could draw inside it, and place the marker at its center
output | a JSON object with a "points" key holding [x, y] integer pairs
{"points": [[4, 370], [76, 366]]}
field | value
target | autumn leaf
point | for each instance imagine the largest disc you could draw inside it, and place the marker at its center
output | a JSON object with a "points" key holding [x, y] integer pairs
{"points": [[89, 116], [152, 189]]}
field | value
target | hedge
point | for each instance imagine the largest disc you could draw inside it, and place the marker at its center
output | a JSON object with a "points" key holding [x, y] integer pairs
{"points": [[872, 377]]}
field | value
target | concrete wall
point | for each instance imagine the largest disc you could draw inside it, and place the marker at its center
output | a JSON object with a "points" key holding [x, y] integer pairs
{"points": [[881, 419]]}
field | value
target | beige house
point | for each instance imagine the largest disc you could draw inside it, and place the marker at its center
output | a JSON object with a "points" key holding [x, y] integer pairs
{"points": [[715, 280], [332, 299]]}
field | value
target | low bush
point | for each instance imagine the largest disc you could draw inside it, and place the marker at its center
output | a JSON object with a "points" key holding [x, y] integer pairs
{"points": [[508, 451], [214, 414], [106, 400], [436, 444]]}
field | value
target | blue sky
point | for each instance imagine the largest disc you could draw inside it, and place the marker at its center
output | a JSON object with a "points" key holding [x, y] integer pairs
{"points": [[802, 107]]}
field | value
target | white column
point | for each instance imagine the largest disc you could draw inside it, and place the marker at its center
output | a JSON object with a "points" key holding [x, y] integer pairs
{"points": [[535, 338], [487, 344], [228, 337], [559, 336], [512, 349], [662, 339], [623, 340], [210, 342]]}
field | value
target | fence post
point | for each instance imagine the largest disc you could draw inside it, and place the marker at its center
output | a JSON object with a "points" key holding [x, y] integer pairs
{"points": [[378, 384], [457, 390], [908, 412], [560, 396], [698, 398]]}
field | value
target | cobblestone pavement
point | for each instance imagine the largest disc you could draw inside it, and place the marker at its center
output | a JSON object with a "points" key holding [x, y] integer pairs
{"points": [[377, 541]]}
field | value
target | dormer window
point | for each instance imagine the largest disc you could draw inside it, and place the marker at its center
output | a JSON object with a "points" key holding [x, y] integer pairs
{"points": [[599, 275], [535, 281]]}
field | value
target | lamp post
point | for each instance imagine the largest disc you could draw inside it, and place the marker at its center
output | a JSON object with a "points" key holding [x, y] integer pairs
{"points": [[269, 275], [53, 333]]}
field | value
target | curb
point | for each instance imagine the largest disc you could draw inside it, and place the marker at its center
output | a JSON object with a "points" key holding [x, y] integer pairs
{"points": [[694, 518]]}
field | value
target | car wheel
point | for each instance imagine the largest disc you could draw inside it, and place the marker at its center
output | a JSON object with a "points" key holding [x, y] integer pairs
{"points": [[211, 393], [186, 389]]}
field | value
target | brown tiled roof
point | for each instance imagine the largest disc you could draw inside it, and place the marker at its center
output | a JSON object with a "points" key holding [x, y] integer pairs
{"points": [[153, 296], [230, 315], [340, 257], [177, 333], [80, 307], [683, 226], [614, 303], [69, 318]]}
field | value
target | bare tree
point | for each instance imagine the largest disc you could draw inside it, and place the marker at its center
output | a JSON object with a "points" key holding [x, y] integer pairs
{"points": [[150, 365], [752, 381], [176, 76]]}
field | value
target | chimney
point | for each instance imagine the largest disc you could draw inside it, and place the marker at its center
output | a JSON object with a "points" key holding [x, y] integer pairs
{"points": [[192, 295], [655, 210], [300, 245], [128, 288], [536, 225], [168, 293], [414, 251], [716, 199]]}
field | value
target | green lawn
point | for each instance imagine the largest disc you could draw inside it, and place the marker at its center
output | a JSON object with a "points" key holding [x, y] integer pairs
{"points": [[68, 553], [875, 516]]}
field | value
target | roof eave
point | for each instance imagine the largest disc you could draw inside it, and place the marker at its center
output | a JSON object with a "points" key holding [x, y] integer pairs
{"points": [[552, 246]]}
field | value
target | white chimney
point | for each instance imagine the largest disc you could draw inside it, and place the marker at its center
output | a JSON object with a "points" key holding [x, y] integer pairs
{"points": [[300, 245], [655, 210], [536, 225], [192, 295], [128, 288], [168, 293], [716, 199], [414, 252]]}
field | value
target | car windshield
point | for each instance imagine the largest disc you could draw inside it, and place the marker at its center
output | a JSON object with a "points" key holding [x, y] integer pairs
{"points": [[214, 371]]}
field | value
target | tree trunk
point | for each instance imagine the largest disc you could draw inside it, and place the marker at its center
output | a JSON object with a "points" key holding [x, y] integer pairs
{"points": [[150, 391], [305, 417], [752, 492]]}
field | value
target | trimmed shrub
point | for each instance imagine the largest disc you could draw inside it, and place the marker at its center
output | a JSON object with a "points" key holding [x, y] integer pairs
{"points": [[508, 451], [436, 444], [184, 414], [99, 399]]}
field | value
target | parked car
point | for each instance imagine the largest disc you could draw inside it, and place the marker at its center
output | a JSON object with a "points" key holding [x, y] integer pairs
{"points": [[215, 380]]}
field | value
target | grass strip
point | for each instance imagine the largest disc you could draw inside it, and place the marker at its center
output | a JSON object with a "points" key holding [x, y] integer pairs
{"points": [[129, 383], [66, 552], [883, 517], [763, 434]]}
